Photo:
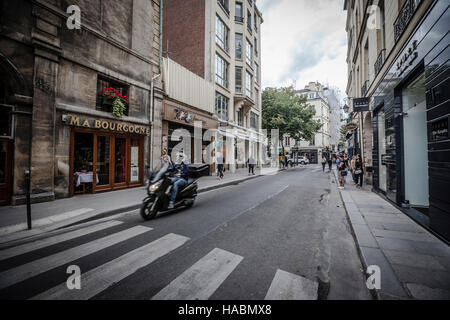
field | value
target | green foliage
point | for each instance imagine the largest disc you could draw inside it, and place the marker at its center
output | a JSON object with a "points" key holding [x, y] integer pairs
{"points": [[283, 109], [118, 107]]}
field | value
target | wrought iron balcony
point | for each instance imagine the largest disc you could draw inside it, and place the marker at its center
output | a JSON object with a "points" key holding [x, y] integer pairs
{"points": [[404, 17], [364, 88], [380, 61]]}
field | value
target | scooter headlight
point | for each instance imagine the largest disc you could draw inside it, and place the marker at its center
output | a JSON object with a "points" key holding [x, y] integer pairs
{"points": [[155, 186]]}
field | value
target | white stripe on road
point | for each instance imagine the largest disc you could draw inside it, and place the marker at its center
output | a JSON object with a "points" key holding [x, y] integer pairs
{"points": [[16, 251], [288, 286], [33, 268], [99, 279], [45, 221], [202, 279]]}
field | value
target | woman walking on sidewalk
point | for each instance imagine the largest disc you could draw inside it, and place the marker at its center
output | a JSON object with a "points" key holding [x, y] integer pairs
{"points": [[342, 172], [219, 162], [359, 171]]}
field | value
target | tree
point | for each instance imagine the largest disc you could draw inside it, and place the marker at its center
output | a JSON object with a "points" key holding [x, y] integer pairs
{"points": [[284, 110]]}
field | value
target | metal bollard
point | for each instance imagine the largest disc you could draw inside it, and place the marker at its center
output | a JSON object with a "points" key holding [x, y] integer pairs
{"points": [[28, 186]]}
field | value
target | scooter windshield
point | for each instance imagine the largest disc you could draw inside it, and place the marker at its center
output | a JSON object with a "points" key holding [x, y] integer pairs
{"points": [[160, 173]]}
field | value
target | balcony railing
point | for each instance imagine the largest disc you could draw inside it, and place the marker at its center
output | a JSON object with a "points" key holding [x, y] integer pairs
{"points": [[404, 17], [239, 19], [380, 61], [364, 88]]}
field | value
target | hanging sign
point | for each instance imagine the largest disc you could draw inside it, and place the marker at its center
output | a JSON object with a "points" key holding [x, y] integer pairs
{"points": [[352, 126], [361, 104]]}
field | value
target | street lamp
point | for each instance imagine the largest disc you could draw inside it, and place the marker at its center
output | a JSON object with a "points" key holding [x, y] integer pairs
{"points": [[346, 108]]}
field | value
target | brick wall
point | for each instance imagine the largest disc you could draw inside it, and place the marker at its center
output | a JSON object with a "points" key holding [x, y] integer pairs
{"points": [[184, 28]]}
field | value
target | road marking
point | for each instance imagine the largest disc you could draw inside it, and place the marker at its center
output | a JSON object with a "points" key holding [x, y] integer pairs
{"points": [[45, 221], [28, 247], [33, 268], [288, 286], [99, 279], [202, 279]]}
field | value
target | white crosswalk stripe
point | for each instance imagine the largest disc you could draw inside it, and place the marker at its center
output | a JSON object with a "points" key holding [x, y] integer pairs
{"points": [[202, 279], [28, 247], [33, 268], [288, 286], [102, 277]]}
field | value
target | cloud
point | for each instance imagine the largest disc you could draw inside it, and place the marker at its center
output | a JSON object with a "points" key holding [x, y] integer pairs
{"points": [[303, 41]]}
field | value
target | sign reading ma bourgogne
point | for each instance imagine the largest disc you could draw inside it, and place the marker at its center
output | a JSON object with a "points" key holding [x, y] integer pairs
{"points": [[112, 126]]}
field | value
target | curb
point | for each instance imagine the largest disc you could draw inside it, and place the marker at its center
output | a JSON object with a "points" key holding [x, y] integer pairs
{"points": [[19, 235], [362, 258]]}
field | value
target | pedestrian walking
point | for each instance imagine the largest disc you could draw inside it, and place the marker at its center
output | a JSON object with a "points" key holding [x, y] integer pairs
{"points": [[342, 172], [219, 163], [165, 158], [251, 165], [359, 172], [324, 163]]}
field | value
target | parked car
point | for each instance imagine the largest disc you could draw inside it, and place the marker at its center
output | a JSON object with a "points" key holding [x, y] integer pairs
{"points": [[299, 160]]}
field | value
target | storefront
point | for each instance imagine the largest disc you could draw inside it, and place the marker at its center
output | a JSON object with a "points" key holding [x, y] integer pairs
{"points": [[411, 154], [111, 151], [179, 131], [311, 154]]}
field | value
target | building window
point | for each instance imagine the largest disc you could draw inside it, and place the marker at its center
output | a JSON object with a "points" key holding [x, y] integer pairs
{"points": [[249, 21], [222, 34], [257, 98], [239, 12], [221, 71], [248, 53], [248, 84], [254, 119], [312, 96], [222, 106], [225, 4], [383, 24], [313, 141], [255, 19], [238, 42], [240, 117], [238, 80], [5, 121], [104, 104], [256, 47], [256, 73]]}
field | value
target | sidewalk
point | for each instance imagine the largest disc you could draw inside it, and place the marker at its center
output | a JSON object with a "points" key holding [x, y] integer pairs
{"points": [[65, 212], [414, 263]]}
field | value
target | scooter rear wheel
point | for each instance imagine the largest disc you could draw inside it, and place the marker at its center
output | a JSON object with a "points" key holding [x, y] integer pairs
{"points": [[149, 210]]}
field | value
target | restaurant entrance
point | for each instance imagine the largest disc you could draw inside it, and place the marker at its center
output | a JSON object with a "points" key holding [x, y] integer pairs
{"points": [[116, 161]]}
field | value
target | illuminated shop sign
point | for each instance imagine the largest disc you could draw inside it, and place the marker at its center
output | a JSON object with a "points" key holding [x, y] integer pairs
{"points": [[107, 125]]}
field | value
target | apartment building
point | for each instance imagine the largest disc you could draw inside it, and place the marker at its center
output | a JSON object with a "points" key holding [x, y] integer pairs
{"points": [[315, 95], [56, 80], [220, 41], [398, 60]]}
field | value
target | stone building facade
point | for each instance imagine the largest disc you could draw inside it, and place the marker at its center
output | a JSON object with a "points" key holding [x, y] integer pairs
{"points": [[60, 124], [314, 93], [220, 41], [398, 60]]}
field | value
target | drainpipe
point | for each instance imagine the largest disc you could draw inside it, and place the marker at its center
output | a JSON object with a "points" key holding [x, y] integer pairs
{"points": [[152, 119]]}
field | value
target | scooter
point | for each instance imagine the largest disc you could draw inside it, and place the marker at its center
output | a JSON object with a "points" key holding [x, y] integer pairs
{"points": [[159, 190]]}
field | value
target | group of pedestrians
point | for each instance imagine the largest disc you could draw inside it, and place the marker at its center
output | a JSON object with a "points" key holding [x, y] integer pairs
{"points": [[327, 159], [355, 166]]}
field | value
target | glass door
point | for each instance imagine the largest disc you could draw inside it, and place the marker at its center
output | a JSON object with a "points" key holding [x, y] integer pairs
{"points": [[120, 161], [135, 160], [415, 160], [382, 184], [5, 171], [103, 162]]}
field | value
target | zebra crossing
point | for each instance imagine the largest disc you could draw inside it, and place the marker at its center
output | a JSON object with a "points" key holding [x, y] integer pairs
{"points": [[198, 282]]}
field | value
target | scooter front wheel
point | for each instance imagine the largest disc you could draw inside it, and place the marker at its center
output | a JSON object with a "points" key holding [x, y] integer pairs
{"points": [[149, 209]]}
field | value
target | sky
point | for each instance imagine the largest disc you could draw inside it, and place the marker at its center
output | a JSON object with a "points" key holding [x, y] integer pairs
{"points": [[303, 41]]}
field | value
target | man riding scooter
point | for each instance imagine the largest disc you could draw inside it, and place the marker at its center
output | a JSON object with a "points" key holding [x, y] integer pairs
{"points": [[179, 180]]}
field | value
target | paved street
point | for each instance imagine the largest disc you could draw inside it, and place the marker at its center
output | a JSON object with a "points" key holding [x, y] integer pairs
{"points": [[282, 236]]}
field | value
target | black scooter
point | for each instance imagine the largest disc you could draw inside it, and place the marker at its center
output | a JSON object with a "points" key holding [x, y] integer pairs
{"points": [[159, 190]]}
